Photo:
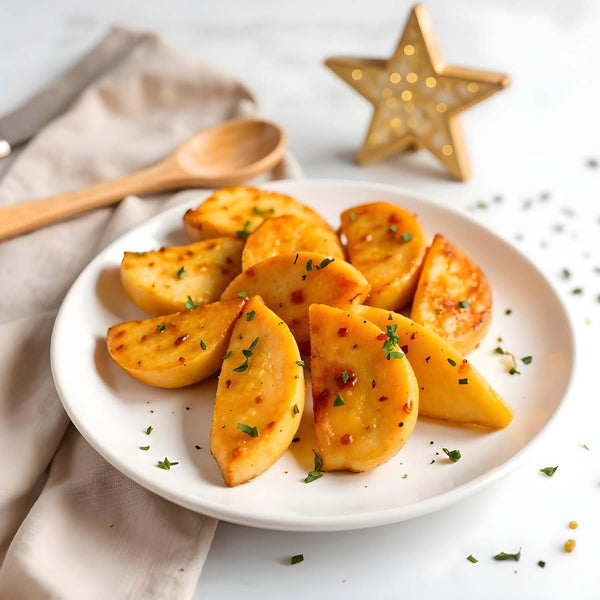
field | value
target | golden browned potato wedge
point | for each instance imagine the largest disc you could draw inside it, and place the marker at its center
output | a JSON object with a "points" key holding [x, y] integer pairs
{"points": [[450, 386], [260, 397], [175, 350], [290, 283], [453, 297], [365, 394], [386, 244], [162, 281], [238, 211], [289, 233]]}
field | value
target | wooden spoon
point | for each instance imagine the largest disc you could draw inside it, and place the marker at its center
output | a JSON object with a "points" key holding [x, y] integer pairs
{"points": [[223, 155]]}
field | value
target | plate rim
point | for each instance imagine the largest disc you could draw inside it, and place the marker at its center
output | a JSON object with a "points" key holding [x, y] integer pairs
{"points": [[316, 523]]}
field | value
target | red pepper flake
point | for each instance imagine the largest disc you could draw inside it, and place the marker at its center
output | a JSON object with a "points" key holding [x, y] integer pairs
{"points": [[381, 336], [400, 424], [346, 439], [119, 348], [295, 440], [297, 297], [228, 383], [413, 335], [181, 339], [404, 349], [355, 347], [143, 338], [342, 332], [427, 359], [383, 398], [407, 408], [181, 359], [258, 399]]}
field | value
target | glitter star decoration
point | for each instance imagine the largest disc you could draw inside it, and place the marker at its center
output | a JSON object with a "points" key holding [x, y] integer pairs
{"points": [[417, 97]]}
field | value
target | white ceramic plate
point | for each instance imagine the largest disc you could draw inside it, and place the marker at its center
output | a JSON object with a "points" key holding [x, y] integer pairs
{"points": [[112, 410]]}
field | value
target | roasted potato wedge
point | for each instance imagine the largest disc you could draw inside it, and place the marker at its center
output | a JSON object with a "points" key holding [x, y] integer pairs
{"points": [[289, 233], [290, 283], [238, 211], [365, 404], [175, 350], [260, 396], [386, 244], [453, 297], [161, 281], [450, 387]]}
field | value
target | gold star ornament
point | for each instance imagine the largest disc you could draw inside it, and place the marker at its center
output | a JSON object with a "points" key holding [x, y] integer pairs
{"points": [[417, 97]]}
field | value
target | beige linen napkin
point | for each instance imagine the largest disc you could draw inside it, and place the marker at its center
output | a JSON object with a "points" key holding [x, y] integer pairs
{"points": [[92, 533]]}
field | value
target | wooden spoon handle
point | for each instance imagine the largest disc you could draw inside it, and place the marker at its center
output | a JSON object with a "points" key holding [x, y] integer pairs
{"points": [[28, 216]]}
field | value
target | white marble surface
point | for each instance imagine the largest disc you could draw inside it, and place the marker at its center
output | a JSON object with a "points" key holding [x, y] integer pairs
{"points": [[535, 137]]}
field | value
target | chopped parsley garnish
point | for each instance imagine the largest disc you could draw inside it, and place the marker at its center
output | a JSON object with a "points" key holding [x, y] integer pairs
{"points": [[181, 273], [541, 563], [247, 353], [190, 304], [300, 363], [393, 228], [242, 294], [438, 311], [316, 473], [472, 559], [160, 328], [297, 558], [406, 237], [390, 318], [144, 447], [251, 431], [338, 401], [549, 471], [262, 213], [463, 381], [453, 455], [395, 354], [352, 216], [166, 464], [250, 315], [309, 265], [140, 253], [149, 430], [242, 367], [505, 556], [499, 350], [451, 362], [243, 233], [463, 304], [227, 355], [392, 340], [345, 376], [202, 345], [577, 292], [566, 273], [324, 263], [513, 371], [296, 409], [527, 360]]}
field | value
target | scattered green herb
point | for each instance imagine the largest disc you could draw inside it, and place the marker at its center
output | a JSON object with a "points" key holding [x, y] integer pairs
{"points": [[406, 237], [161, 327], [227, 355], [463, 304], [527, 360], [513, 371], [392, 340], [296, 409], [251, 431], [300, 363], [352, 216], [297, 558], [505, 556], [242, 367], [549, 471], [324, 263], [345, 376], [338, 401], [472, 559], [166, 464], [243, 233], [452, 363], [499, 350], [202, 345], [190, 304], [316, 473], [390, 317], [250, 315], [144, 447], [242, 294], [463, 381], [453, 455], [309, 265], [541, 563], [566, 273], [181, 273], [140, 253], [149, 430], [393, 228], [577, 292], [438, 311]]}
